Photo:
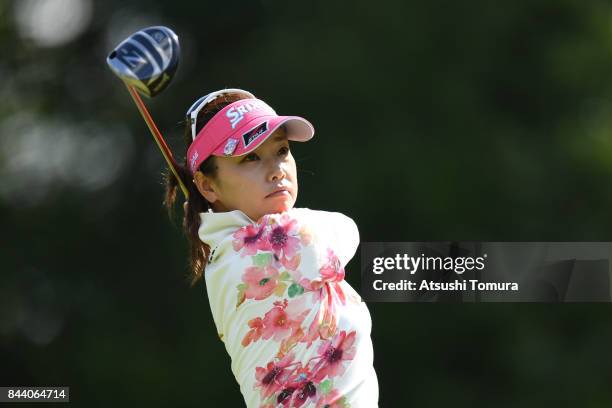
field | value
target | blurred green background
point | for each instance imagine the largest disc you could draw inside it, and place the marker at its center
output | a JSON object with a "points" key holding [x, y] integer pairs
{"points": [[434, 120]]}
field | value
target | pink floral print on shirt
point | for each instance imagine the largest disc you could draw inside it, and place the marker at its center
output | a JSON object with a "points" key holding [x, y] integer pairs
{"points": [[292, 384], [248, 240], [284, 237], [260, 282], [274, 245]]}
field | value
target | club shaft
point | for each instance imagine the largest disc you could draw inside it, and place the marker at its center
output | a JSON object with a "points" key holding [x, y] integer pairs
{"points": [[161, 143]]}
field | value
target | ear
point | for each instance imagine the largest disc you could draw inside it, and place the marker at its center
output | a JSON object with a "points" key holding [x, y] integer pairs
{"points": [[206, 186]]}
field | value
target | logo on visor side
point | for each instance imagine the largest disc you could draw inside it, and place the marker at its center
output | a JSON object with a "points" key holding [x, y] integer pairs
{"points": [[194, 157], [254, 133], [230, 146], [236, 113]]}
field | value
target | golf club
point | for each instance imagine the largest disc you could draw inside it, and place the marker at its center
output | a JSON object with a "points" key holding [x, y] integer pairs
{"points": [[146, 61]]}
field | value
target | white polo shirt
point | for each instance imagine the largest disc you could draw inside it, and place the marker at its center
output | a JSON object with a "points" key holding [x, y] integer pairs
{"points": [[297, 333]]}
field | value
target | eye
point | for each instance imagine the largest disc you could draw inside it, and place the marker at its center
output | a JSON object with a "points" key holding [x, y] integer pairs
{"points": [[284, 151], [251, 157]]}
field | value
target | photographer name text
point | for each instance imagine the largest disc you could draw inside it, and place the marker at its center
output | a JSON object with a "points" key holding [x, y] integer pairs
{"points": [[422, 263]]}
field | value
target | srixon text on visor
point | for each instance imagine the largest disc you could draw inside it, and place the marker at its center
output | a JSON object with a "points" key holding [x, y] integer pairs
{"points": [[236, 113], [413, 264]]}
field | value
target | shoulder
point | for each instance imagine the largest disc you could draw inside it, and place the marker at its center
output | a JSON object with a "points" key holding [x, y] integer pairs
{"points": [[329, 218], [336, 229]]}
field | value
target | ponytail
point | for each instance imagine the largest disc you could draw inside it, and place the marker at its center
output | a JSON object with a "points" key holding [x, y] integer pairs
{"points": [[196, 204]]}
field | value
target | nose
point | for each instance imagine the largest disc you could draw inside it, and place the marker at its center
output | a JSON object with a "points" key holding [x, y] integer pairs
{"points": [[277, 172]]}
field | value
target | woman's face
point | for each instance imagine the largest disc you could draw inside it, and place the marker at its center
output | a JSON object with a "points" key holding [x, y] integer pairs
{"points": [[250, 183]]}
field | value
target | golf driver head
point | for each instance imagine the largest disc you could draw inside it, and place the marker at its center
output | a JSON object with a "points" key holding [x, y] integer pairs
{"points": [[147, 59]]}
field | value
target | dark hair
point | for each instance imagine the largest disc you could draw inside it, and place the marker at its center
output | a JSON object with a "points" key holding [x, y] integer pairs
{"points": [[199, 251]]}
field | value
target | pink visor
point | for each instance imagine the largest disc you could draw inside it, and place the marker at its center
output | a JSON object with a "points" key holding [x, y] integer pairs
{"points": [[240, 128]]}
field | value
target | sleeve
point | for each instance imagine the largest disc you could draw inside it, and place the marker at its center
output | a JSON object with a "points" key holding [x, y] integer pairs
{"points": [[345, 237], [335, 241], [336, 231]]}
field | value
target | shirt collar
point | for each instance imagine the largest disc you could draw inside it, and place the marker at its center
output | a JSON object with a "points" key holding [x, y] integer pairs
{"points": [[215, 226]]}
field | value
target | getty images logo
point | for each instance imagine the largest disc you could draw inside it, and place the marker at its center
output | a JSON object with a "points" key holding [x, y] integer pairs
{"points": [[236, 113]]}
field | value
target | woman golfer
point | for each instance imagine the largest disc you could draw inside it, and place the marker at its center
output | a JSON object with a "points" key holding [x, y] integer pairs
{"points": [[297, 333]]}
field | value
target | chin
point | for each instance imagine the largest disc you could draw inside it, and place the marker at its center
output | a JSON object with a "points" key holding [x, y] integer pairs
{"points": [[281, 207]]}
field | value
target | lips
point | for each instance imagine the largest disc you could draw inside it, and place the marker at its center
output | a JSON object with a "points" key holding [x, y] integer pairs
{"points": [[278, 192]]}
